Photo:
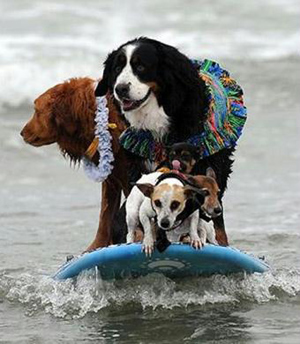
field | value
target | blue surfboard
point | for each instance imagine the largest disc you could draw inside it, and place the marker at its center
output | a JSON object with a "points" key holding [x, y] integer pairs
{"points": [[178, 260]]}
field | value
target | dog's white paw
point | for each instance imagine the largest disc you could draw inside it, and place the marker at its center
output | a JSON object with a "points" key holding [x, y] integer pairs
{"points": [[196, 243], [148, 247]]}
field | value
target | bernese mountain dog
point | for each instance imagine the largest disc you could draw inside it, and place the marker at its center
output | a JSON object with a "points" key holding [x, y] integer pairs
{"points": [[157, 88]]}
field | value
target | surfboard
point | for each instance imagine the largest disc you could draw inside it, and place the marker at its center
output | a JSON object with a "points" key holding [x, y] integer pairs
{"points": [[177, 261]]}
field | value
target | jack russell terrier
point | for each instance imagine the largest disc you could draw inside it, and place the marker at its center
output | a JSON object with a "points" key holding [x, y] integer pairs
{"points": [[173, 203]]}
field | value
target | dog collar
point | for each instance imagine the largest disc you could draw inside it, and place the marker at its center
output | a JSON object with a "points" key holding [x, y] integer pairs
{"points": [[101, 143], [226, 116]]}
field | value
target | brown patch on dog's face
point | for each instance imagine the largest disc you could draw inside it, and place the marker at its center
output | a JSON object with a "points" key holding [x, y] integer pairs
{"points": [[153, 86], [169, 193]]}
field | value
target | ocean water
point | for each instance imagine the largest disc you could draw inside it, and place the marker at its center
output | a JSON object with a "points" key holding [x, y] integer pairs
{"points": [[49, 209]]}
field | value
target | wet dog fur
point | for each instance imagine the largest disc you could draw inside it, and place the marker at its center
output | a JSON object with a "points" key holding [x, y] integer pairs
{"points": [[65, 114]]}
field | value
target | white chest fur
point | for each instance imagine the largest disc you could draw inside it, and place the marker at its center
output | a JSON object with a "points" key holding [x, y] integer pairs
{"points": [[149, 116]]}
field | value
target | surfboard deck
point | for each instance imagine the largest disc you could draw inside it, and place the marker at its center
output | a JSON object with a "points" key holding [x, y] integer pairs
{"points": [[177, 261]]}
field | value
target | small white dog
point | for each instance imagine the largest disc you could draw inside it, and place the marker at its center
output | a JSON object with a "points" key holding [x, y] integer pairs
{"points": [[164, 202]]}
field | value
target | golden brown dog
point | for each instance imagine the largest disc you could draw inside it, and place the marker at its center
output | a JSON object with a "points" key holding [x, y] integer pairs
{"points": [[65, 114]]}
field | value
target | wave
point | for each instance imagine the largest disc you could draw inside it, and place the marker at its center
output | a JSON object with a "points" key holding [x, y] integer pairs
{"points": [[26, 79], [88, 294], [23, 82], [74, 40]]}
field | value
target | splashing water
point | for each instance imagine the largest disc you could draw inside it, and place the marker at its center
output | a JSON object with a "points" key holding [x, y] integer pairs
{"points": [[89, 294]]}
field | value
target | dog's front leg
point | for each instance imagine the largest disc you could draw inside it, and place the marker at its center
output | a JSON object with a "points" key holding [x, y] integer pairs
{"points": [[195, 239], [219, 226], [202, 229], [208, 227], [112, 188], [110, 203], [132, 219], [146, 213]]}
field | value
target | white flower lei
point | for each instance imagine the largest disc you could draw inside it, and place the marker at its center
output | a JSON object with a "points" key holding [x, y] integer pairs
{"points": [[99, 173]]}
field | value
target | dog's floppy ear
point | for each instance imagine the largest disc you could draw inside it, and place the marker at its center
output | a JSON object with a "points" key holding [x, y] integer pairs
{"points": [[146, 189], [177, 66], [101, 88], [66, 107], [64, 123], [180, 84], [105, 84], [211, 173], [191, 191]]}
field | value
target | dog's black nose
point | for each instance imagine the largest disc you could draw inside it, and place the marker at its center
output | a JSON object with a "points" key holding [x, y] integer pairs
{"points": [[165, 223], [122, 90], [218, 210]]}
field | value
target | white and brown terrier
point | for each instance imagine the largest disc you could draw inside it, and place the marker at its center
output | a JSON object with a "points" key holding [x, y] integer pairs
{"points": [[174, 205]]}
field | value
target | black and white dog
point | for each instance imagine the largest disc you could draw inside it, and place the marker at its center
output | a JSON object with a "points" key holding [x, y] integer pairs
{"points": [[157, 88]]}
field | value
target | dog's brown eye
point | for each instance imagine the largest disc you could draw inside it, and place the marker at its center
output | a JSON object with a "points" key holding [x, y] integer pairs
{"points": [[140, 68], [157, 203], [118, 69], [174, 205], [206, 192]]}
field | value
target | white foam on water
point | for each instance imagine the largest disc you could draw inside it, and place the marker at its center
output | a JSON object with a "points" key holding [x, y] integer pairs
{"points": [[88, 294]]}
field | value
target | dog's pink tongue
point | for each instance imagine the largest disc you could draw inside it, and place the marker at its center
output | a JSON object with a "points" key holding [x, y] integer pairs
{"points": [[127, 104], [176, 165]]}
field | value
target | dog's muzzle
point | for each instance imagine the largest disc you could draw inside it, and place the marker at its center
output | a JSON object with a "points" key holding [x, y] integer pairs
{"points": [[129, 104]]}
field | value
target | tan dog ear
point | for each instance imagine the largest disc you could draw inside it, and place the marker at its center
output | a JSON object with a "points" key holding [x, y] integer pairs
{"points": [[211, 173], [146, 189]]}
